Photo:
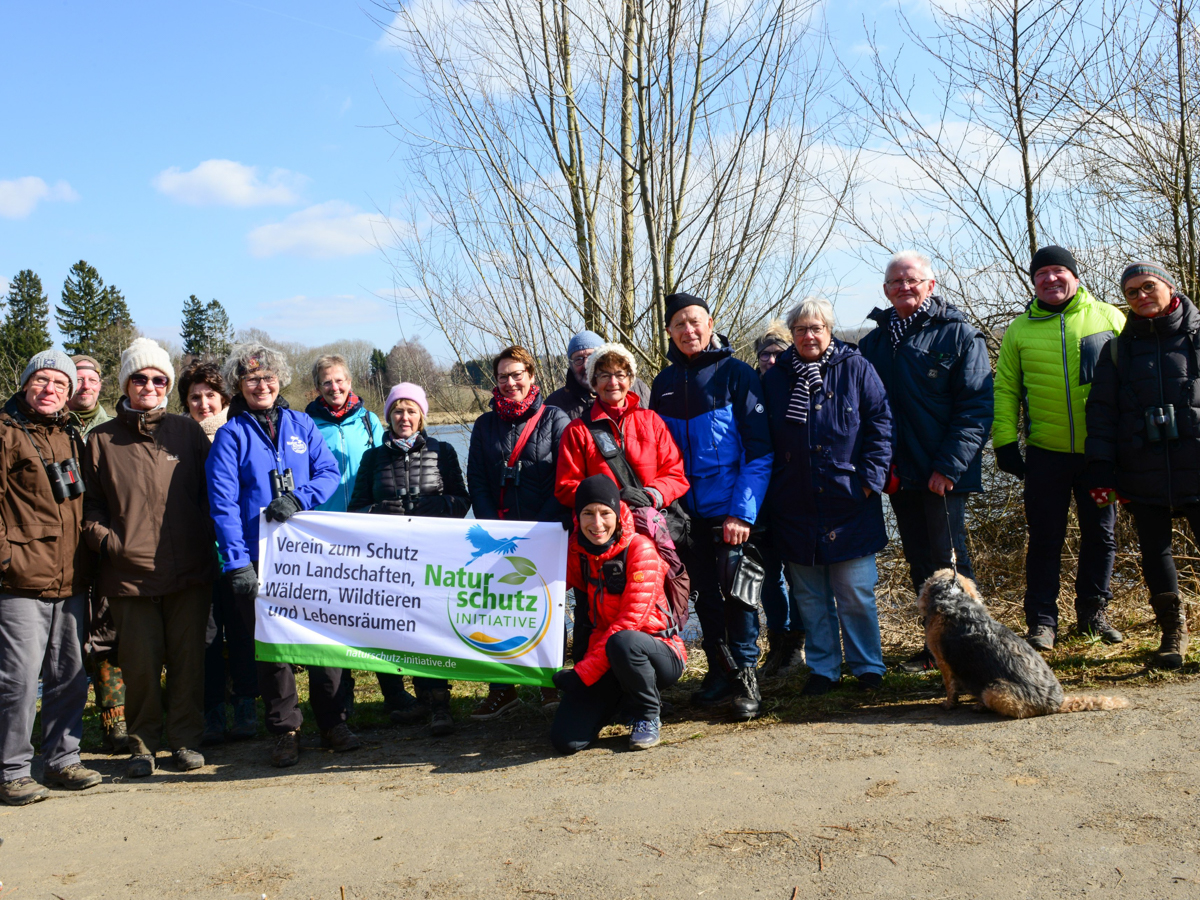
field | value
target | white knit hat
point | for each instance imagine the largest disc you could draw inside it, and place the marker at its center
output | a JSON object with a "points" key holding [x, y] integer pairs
{"points": [[606, 350], [144, 353]]}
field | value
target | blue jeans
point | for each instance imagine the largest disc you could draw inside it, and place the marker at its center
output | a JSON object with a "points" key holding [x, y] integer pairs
{"points": [[779, 607], [840, 593]]}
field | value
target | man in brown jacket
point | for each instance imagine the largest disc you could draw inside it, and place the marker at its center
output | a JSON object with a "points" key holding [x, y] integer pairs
{"points": [[146, 514], [43, 586]]}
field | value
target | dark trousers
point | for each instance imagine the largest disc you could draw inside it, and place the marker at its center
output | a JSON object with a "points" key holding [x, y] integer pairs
{"points": [[230, 653], [391, 686], [329, 690], [1051, 479], [928, 525], [640, 667], [1154, 528], [720, 620], [779, 606]]}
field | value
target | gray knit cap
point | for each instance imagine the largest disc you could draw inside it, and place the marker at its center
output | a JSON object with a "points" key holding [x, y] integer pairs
{"points": [[1148, 267], [51, 359]]}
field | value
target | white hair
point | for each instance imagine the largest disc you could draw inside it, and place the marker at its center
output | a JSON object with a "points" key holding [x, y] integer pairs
{"points": [[910, 256], [253, 357], [812, 308]]}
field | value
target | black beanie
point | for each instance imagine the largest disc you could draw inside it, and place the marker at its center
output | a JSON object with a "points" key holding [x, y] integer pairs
{"points": [[676, 302], [1053, 256], [598, 489]]}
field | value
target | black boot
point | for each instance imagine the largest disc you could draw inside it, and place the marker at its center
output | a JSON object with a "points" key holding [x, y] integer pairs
{"points": [[1172, 619], [785, 651], [440, 721], [746, 698], [1091, 621], [718, 685]]}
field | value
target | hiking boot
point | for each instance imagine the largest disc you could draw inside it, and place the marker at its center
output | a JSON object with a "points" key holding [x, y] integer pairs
{"points": [[919, 664], [1091, 621], [746, 698], [245, 719], [185, 760], [75, 777], [115, 733], [550, 699], [817, 686], [340, 738], [1041, 638], [286, 751], [214, 726], [1172, 619], [785, 651], [441, 723], [21, 791], [645, 734], [498, 702], [714, 690], [409, 710], [869, 682], [140, 765]]}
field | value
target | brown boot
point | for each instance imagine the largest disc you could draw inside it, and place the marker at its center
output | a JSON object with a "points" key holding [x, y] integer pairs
{"points": [[116, 736], [1172, 619]]}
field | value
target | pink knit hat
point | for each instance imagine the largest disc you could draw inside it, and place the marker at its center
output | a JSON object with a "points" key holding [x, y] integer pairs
{"points": [[406, 390]]}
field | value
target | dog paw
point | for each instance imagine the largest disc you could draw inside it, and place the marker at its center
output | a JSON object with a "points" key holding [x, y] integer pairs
{"points": [[949, 703]]}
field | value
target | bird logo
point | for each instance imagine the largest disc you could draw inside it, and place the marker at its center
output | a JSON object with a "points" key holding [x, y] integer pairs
{"points": [[484, 543]]}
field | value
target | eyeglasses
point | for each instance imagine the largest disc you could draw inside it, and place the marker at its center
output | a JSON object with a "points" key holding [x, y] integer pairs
{"points": [[814, 330], [512, 376], [140, 380], [254, 381], [1132, 293], [768, 355], [906, 283], [612, 376], [579, 360], [42, 382]]}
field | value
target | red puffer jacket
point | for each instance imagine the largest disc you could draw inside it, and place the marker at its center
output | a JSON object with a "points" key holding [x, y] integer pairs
{"points": [[642, 606], [649, 449]]}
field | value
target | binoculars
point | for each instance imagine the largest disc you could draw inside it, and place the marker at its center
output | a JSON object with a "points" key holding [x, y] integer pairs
{"points": [[510, 474], [65, 481], [1160, 423], [281, 484]]}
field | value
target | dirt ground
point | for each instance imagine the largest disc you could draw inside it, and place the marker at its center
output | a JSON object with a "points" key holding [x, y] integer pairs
{"points": [[896, 799]]}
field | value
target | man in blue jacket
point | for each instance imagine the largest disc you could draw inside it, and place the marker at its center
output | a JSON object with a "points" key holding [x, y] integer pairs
{"points": [[712, 403], [934, 366]]}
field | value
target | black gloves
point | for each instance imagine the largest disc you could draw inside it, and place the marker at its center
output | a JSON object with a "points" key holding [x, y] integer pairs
{"points": [[392, 506], [283, 508], [243, 583], [1009, 459], [567, 680], [636, 498]]}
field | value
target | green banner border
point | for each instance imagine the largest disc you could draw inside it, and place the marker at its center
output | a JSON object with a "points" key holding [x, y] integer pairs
{"points": [[375, 659]]}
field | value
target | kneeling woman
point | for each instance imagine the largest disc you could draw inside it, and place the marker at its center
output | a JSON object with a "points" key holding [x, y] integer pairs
{"points": [[633, 653]]}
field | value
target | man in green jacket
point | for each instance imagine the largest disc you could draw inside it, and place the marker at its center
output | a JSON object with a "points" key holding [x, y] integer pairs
{"points": [[1047, 360]]}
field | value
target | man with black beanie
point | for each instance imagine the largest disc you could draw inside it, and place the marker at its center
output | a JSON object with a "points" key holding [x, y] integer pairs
{"points": [[1047, 360]]}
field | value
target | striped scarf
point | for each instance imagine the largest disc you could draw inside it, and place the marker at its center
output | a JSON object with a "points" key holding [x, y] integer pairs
{"points": [[808, 380], [898, 327]]}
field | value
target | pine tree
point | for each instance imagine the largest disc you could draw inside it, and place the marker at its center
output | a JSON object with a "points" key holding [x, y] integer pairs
{"points": [[192, 330], [220, 329], [83, 313], [26, 328], [205, 329]]}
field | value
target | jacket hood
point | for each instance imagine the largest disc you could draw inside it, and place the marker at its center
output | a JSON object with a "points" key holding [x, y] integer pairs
{"points": [[321, 413], [628, 530], [238, 405], [718, 349], [939, 309], [1185, 317], [139, 421], [17, 408]]}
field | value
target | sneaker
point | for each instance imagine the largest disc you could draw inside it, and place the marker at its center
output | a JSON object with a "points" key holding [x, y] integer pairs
{"points": [[140, 765], [245, 719], [645, 734], [340, 738], [21, 791], [869, 681], [286, 751], [817, 686], [714, 690], [185, 760], [75, 777], [498, 702], [214, 726], [1041, 638], [919, 664], [550, 699], [746, 699]]}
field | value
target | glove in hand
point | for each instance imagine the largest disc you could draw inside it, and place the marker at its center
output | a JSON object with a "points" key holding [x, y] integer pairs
{"points": [[283, 508], [1009, 459], [243, 583], [636, 498], [567, 680]]}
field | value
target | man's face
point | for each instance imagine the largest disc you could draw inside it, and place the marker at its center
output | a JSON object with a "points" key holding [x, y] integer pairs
{"points": [[46, 391], [1054, 284], [907, 286], [87, 393], [579, 366], [691, 328]]}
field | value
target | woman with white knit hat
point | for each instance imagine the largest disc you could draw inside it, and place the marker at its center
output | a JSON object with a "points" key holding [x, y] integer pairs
{"points": [[146, 514]]}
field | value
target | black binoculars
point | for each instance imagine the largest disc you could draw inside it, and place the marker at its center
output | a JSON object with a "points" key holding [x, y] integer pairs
{"points": [[281, 484], [65, 481], [1160, 423], [511, 474]]}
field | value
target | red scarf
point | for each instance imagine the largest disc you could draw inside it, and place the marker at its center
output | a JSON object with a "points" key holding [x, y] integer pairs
{"points": [[511, 410], [352, 403]]}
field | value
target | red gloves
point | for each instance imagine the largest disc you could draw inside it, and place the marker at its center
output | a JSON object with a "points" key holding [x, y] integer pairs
{"points": [[1106, 497]]}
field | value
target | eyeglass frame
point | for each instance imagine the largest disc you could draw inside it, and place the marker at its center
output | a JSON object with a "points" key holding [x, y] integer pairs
{"points": [[253, 381], [622, 377], [908, 283], [1141, 290], [42, 382], [137, 379], [814, 330], [514, 377]]}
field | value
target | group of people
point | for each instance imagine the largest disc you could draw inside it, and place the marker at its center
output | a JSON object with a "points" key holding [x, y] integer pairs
{"points": [[132, 540]]}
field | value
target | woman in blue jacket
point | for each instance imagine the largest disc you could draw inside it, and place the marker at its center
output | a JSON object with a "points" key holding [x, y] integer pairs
{"points": [[348, 427], [262, 436], [832, 432]]}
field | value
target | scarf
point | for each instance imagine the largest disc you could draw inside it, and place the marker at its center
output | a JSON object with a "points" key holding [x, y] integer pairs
{"points": [[267, 418], [213, 422], [1170, 309], [86, 417], [898, 327], [808, 379], [511, 410], [403, 444], [352, 403]]}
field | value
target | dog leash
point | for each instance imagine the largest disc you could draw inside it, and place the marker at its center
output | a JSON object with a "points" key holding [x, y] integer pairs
{"points": [[950, 534]]}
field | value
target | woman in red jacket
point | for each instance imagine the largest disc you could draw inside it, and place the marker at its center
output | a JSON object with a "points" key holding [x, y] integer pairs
{"points": [[633, 652], [640, 433]]}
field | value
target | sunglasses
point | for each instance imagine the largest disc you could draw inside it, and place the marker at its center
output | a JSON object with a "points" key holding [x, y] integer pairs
{"points": [[139, 380]]}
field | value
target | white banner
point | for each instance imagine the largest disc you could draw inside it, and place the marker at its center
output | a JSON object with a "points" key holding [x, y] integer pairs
{"points": [[464, 599]]}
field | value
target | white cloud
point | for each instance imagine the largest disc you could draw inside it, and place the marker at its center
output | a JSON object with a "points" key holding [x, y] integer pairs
{"points": [[223, 182], [323, 231], [19, 197], [4, 285]]}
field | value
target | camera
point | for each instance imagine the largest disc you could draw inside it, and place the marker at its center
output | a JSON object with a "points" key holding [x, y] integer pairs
{"points": [[1160, 423], [65, 481], [281, 484]]}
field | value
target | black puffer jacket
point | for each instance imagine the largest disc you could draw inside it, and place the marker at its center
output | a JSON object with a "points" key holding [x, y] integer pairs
{"points": [[492, 442], [424, 481], [1158, 363]]}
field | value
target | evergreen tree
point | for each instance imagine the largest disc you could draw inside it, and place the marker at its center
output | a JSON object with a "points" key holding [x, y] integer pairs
{"points": [[26, 328], [205, 329], [83, 314], [220, 329], [192, 329]]}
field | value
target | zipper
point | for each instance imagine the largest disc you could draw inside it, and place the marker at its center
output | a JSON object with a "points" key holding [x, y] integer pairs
{"points": [[1162, 401], [1062, 321], [265, 437]]}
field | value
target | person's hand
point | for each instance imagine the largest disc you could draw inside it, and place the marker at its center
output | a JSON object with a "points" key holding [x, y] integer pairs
{"points": [[736, 531], [636, 497], [567, 680], [939, 484], [243, 583], [1009, 459], [283, 508]]}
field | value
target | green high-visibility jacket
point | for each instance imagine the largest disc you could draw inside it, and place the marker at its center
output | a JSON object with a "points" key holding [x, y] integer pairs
{"points": [[1045, 370]]}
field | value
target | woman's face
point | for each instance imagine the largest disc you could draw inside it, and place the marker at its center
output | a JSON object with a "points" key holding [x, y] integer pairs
{"points": [[260, 389], [812, 337], [514, 380], [768, 355], [611, 383], [335, 386], [147, 388], [598, 522], [406, 418], [1148, 296], [203, 401]]}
